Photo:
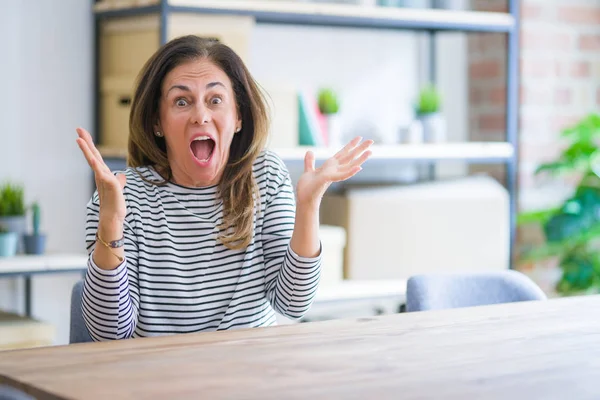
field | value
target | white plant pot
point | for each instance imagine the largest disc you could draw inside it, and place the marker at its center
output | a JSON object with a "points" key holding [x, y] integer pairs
{"points": [[334, 131], [434, 128]]}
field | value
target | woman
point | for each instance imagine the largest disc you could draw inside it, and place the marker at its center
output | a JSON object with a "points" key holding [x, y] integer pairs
{"points": [[203, 230]]}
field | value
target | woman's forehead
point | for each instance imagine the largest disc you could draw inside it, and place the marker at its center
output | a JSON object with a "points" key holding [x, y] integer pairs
{"points": [[200, 72]]}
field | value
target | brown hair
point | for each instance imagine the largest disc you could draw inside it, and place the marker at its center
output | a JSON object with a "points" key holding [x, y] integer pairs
{"points": [[237, 187]]}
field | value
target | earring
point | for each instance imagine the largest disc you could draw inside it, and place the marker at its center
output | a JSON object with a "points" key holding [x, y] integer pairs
{"points": [[158, 134], [238, 129]]}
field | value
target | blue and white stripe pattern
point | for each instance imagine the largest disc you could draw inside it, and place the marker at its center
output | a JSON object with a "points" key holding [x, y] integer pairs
{"points": [[178, 278]]}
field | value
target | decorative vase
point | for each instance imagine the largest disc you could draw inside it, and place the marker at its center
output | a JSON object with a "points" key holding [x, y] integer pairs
{"points": [[434, 127], [35, 244], [335, 137], [8, 244], [17, 224]]}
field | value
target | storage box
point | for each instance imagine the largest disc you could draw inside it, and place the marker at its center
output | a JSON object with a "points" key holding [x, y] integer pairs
{"points": [[333, 240], [127, 43], [396, 232]]}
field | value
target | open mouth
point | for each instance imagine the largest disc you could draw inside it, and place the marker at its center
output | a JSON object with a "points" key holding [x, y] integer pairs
{"points": [[202, 148]]}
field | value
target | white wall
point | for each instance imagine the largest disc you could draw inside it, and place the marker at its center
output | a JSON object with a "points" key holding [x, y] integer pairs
{"points": [[47, 92], [46, 82], [378, 74]]}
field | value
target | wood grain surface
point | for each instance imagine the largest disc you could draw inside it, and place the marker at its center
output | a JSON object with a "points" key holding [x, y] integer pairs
{"points": [[534, 350]]}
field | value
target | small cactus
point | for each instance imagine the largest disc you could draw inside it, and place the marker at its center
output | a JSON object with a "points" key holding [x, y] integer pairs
{"points": [[35, 208]]}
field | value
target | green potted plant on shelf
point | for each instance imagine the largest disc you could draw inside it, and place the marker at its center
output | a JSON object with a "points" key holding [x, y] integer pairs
{"points": [[12, 210], [428, 113], [8, 242], [571, 230], [329, 105], [35, 243]]}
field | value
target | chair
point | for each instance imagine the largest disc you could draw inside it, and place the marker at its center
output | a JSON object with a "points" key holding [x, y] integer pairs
{"points": [[10, 393], [443, 291], [79, 332]]}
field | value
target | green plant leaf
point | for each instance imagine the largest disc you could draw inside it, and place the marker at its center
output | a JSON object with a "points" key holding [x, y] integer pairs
{"points": [[538, 216], [429, 101], [328, 101], [12, 201]]}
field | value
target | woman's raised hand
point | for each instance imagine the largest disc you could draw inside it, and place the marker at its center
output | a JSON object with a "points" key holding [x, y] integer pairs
{"points": [[343, 165], [110, 187]]}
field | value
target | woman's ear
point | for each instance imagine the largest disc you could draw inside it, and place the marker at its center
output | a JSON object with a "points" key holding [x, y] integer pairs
{"points": [[157, 130], [238, 125]]}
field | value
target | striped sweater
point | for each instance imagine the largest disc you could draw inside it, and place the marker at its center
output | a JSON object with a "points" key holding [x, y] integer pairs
{"points": [[178, 278]]}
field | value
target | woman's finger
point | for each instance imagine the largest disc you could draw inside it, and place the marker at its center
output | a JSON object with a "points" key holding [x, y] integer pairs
{"points": [[100, 174], [351, 155], [309, 162], [85, 135], [346, 149], [89, 156], [357, 162]]}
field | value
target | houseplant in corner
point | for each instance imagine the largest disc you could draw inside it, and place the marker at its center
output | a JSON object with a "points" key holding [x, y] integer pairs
{"points": [[12, 210], [35, 243], [8, 242], [428, 112], [571, 230], [329, 106]]}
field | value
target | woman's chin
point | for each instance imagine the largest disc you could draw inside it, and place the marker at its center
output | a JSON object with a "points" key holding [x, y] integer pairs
{"points": [[204, 172]]}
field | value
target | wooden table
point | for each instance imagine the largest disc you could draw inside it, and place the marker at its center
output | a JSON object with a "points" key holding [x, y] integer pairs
{"points": [[535, 350]]}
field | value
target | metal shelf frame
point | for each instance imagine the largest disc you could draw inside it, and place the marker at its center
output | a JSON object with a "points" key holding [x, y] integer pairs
{"points": [[429, 21]]}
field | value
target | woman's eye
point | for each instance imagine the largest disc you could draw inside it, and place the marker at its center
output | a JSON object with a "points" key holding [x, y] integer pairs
{"points": [[181, 102], [216, 100]]}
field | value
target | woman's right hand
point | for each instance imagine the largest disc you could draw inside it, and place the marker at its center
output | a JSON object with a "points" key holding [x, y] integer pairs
{"points": [[110, 187]]}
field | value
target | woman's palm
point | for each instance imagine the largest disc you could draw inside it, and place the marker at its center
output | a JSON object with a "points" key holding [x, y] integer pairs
{"points": [[110, 186], [343, 165]]}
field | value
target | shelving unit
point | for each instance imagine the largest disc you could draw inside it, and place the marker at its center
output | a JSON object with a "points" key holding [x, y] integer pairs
{"points": [[429, 21]]}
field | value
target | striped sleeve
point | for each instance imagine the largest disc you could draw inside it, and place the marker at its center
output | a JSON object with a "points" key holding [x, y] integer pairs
{"points": [[291, 280], [110, 298]]}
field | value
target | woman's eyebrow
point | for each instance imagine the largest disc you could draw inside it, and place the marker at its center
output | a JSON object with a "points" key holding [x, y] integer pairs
{"points": [[180, 87], [187, 89]]}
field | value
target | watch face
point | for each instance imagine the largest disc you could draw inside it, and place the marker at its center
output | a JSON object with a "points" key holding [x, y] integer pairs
{"points": [[116, 243], [113, 244]]}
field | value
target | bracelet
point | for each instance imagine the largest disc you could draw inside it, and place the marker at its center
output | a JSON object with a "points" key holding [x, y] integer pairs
{"points": [[115, 244]]}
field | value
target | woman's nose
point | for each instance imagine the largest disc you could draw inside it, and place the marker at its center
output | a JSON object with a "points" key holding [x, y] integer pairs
{"points": [[202, 114]]}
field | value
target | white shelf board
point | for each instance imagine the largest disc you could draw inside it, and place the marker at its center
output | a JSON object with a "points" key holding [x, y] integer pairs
{"points": [[491, 151], [338, 14], [42, 263], [414, 152]]}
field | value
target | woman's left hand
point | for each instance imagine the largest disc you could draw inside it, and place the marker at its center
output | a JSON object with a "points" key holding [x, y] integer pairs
{"points": [[343, 165]]}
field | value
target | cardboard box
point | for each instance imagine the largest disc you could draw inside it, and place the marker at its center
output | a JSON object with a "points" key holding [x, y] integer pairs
{"points": [[19, 332], [396, 232]]}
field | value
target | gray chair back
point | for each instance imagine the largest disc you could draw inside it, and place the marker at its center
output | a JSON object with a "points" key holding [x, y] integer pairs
{"points": [[444, 291], [10, 393], [78, 331]]}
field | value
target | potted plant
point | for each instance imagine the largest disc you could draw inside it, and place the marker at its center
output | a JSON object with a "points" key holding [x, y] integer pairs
{"points": [[8, 242], [428, 111], [329, 106], [12, 210], [35, 243], [571, 230]]}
